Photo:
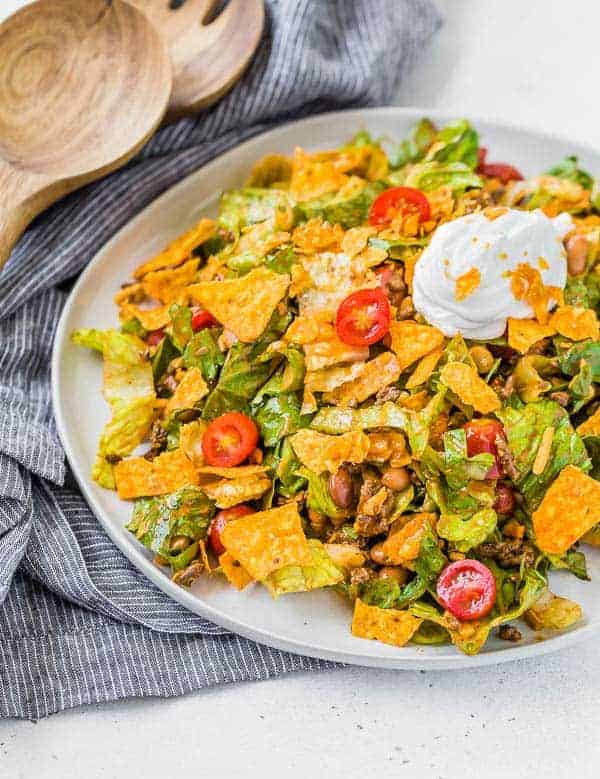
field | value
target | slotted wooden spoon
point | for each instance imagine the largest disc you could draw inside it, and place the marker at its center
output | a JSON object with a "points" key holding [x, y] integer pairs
{"points": [[85, 83]]}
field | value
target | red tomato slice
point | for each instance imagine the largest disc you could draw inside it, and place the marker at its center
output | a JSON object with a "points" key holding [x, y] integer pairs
{"points": [[363, 318], [203, 319], [402, 200], [220, 520], [155, 337], [505, 499], [497, 170], [467, 589], [229, 439], [482, 435]]}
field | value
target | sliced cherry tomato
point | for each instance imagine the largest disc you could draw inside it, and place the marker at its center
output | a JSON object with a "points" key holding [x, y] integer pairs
{"points": [[505, 499], [497, 170], [467, 589], [155, 337], [482, 435], [363, 318], [402, 200], [220, 520], [203, 319], [229, 439]]}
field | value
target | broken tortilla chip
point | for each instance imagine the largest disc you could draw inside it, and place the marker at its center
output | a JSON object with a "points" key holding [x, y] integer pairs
{"points": [[465, 382], [424, 369], [234, 572], [180, 249], [403, 544], [569, 510], [391, 626], [524, 333], [591, 426], [230, 492], [268, 540], [191, 389], [210, 472], [149, 318], [168, 285], [377, 374], [575, 323], [243, 305], [190, 440], [328, 379], [410, 341], [322, 452], [137, 477], [329, 350]]}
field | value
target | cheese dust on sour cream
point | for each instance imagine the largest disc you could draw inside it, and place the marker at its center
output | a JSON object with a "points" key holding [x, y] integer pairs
{"points": [[462, 282]]}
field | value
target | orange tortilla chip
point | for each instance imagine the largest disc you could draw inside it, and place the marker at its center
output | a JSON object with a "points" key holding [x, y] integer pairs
{"points": [[391, 626], [524, 333], [376, 375], [149, 318], [180, 249], [314, 175], [403, 544], [137, 477], [569, 510], [240, 471], [330, 350], [168, 285], [230, 492], [424, 369], [243, 305], [234, 572], [190, 440], [591, 426], [329, 379], [575, 323], [356, 239], [268, 540], [317, 236], [191, 389], [322, 452], [410, 341], [465, 382]]}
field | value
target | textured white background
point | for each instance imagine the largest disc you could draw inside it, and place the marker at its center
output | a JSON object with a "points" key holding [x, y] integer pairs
{"points": [[534, 62]]}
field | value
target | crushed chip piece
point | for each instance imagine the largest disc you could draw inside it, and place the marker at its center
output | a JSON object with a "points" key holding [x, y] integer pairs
{"points": [[465, 382], [180, 249], [168, 285], [234, 572], [314, 175], [467, 284], [575, 323], [328, 379], [410, 341], [377, 374], [330, 350], [524, 333], [212, 472], [373, 505], [388, 445], [591, 426], [190, 440], [403, 543], [230, 492], [424, 369], [570, 508], [243, 305], [355, 240], [191, 389], [322, 452], [137, 477], [346, 556], [268, 540], [391, 626], [149, 318]]}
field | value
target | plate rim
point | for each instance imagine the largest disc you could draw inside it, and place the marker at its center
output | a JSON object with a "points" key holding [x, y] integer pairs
{"points": [[185, 597]]}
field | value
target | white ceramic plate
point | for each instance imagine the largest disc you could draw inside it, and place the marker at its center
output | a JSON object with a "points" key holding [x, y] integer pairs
{"points": [[318, 623]]}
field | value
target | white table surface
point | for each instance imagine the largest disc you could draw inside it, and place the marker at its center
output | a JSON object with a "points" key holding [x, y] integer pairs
{"points": [[529, 61]]}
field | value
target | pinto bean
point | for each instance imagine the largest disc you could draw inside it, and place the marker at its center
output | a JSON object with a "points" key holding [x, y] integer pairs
{"points": [[341, 488], [396, 479], [577, 247]]}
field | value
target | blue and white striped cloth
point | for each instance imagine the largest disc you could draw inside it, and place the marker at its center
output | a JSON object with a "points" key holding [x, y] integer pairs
{"points": [[78, 624]]}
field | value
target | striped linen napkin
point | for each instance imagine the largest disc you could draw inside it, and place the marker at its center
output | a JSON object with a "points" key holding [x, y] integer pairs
{"points": [[78, 624]]}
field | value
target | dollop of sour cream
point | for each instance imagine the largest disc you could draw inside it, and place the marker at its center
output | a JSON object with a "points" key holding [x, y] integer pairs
{"points": [[463, 281]]}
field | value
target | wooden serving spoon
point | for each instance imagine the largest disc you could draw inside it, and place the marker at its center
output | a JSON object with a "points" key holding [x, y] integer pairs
{"points": [[208, 58], [83, 85]]}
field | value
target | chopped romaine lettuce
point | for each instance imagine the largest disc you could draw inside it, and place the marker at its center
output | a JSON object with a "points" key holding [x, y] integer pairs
{"points": [[568, 168], [202, 351], [322, 572]]}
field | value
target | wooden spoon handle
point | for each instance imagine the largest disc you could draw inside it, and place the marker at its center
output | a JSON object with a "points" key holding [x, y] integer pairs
{"points": [[20, 201]]}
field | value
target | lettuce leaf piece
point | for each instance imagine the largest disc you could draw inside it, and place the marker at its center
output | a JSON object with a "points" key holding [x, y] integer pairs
{"points": [[568, 168], [202, 351], [282, 260], [429, 633], [583, 291], [278, 417], [157, 521], [128, 389], [470, 637], [589, 351], [581, 387], [396, 248], [161, 358], [250, 205], [285, 465], [418, 424], [181, 325], [348, 211], [180, 561], [456, 142], [572, 561], [430, 561], [428, 176], [388, 594], [335, 421], [247, 367], [288, 378], [592, 445], [415, 147], [465, 534], [524, 428], [457, 466], [133, 326], [319, 498], [322, 572]]}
